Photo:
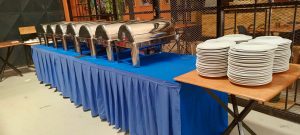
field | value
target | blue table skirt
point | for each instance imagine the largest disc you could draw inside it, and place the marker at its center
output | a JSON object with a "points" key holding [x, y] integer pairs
{"points": [[143, 101]]}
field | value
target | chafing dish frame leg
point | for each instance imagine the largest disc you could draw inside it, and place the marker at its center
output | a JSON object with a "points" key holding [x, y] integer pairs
{"points": [[40, 38], [135, 55], [64, 42], [46, 40], [92, 46], [109, 51], [77, 44], [55, 45]]}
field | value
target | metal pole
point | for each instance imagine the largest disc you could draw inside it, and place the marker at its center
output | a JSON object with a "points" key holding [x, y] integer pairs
{"points": [[220, 18], [131, 10], [235, 17], [266, 21], [270, 17], [294, 23], [90, 9], [115, 10], [96, 9], [254, 20], [156, 8]]}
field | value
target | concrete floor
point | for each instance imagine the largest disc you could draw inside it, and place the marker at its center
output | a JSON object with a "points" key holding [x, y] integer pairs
{"points": [[30, 108]]}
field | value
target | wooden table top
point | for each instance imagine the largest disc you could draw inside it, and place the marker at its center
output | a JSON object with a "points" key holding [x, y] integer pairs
{"points": [[281, 29], [259, 93], [32, 44], [9, 43], [182, 25]]}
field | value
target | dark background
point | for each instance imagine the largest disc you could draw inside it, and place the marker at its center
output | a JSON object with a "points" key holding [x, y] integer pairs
{"points": [[17, 13]]}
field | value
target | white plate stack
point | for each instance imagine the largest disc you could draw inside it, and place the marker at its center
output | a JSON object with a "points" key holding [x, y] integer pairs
{"points": [[212, 58], [282, 52], [251, 64], [238, 38]]}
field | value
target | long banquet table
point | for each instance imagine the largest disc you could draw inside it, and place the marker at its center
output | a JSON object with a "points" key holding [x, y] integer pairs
{"points": [[142, 101]]}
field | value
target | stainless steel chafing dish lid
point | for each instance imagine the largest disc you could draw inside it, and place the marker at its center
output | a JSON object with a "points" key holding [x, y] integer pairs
{"points": [[88, 30], [129, 31], [108, 31], [51, 27], [61, 29], [73, 28], [162, 25], [132, 32], [43, 28]]}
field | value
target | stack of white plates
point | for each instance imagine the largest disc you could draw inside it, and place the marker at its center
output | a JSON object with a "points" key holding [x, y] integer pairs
{"points": [[212, 58], [238, 38], [250, 64], [282, 52]]}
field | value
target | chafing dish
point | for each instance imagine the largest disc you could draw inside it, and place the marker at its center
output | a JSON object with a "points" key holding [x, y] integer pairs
{"points": [[60, 32], [87, 33], [106, 34], [138, 36], [50, 33], [73, 32], [42, 33]]}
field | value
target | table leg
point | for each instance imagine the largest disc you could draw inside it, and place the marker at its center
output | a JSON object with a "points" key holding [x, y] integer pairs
{"points": [[6, 63], [296, 90], [240, 117], [178, 43], [235, 114], [2, 68], [286, 99], [26, 55]]}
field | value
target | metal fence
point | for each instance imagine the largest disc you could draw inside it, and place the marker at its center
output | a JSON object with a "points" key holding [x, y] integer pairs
{"points": [[199, 20], [263, 17]]}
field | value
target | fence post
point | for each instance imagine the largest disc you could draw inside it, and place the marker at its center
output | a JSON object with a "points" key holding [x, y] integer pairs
{"points": [[90, 10], [115, 10], [131, 9], [156, 8], [220, 19]]}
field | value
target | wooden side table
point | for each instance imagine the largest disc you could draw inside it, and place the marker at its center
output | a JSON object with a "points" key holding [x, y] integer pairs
{"points": [[254, 94], [10, 45]]}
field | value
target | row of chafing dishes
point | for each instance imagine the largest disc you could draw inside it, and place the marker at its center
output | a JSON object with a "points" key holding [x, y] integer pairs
{"points": [[134, 35]]}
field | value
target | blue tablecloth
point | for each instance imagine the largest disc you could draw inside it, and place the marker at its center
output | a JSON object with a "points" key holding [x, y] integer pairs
{"points": [[143, 101]]}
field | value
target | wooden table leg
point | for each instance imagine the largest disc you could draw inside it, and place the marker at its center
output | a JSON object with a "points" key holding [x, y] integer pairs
{"points": [[6, 63]]}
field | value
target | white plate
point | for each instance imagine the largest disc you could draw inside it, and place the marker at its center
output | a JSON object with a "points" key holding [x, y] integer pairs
{"points": [[217, 68], [211, 75], [249, 68], [253, 48], [250, 83], [245, 71], [215, 44], [212, 54], [236, 37], [250, 65], [239, 53], [250, 75], [249, 60], [213, 50]]}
